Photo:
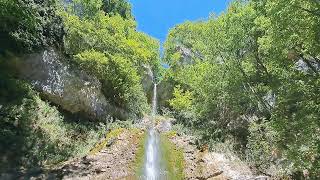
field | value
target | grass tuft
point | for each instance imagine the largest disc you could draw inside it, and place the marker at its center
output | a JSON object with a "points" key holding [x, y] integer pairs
{"points": [[109, 136]]}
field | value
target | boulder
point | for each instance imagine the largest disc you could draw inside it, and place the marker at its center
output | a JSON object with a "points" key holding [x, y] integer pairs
{"points": [[52, 74]]}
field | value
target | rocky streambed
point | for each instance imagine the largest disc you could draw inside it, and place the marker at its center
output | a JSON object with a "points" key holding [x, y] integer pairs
{"points": [[200, 163], [116, 160], [121, 155], [117, 157]]}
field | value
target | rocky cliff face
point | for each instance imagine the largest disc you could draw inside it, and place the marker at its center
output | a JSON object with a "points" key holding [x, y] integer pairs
{"points": [[165, 90], [75, 91], [147, 81]]}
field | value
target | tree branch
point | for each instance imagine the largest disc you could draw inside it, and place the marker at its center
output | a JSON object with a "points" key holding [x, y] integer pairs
{"points": [[315, 13]]}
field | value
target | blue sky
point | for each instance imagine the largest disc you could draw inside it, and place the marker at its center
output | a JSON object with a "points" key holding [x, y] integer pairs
{"points": [[156, 17]]}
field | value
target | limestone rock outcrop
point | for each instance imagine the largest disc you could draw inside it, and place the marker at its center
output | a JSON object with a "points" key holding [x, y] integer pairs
{"points": [[65, 85]]}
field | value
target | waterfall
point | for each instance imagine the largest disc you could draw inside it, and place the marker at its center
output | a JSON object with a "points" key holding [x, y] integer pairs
{"points": [[152, 162], [153, 169]]}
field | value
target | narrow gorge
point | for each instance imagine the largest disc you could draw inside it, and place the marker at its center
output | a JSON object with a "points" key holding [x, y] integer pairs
{"points": [[161, 90]]}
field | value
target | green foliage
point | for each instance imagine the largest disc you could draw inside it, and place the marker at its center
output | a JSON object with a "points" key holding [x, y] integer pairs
{"points": [[88, 32], [88, 28], [183, 37], [182, 100], [34, 133], [121, 81], [109, 48], [86, 8], [28, 25], [246, 64], [100, 37], [114, 7], [262, 150], [296, 119], [113, 35]]}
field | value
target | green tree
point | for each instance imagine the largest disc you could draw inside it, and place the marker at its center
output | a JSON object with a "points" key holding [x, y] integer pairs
{"points": [[253, 69], [28, 25], [110, 48], [120, 7]]}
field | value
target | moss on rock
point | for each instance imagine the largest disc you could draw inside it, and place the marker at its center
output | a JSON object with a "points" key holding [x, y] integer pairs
{"points": [[173, 157], [138, 163], [109, 137]]}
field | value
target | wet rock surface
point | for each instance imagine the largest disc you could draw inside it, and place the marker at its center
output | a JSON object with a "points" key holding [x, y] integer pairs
{"points": [[204, 165], [164, 125], [197, 167], [201, 164]]}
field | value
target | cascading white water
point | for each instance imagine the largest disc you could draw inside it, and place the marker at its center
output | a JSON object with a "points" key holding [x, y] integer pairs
{"points": [[153, 169], [152, 162]]}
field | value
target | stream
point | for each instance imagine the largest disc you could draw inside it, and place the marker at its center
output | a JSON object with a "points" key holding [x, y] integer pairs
{"points": [[153, 166]]}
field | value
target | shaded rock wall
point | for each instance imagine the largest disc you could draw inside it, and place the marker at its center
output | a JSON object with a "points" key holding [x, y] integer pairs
{"points": [[147, 81], [75, 91], [165, 90]]}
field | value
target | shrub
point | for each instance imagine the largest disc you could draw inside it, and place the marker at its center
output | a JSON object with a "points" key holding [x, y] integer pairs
{"points": [[34, 133], [182, 100], [262, 151], [120, 80]]}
